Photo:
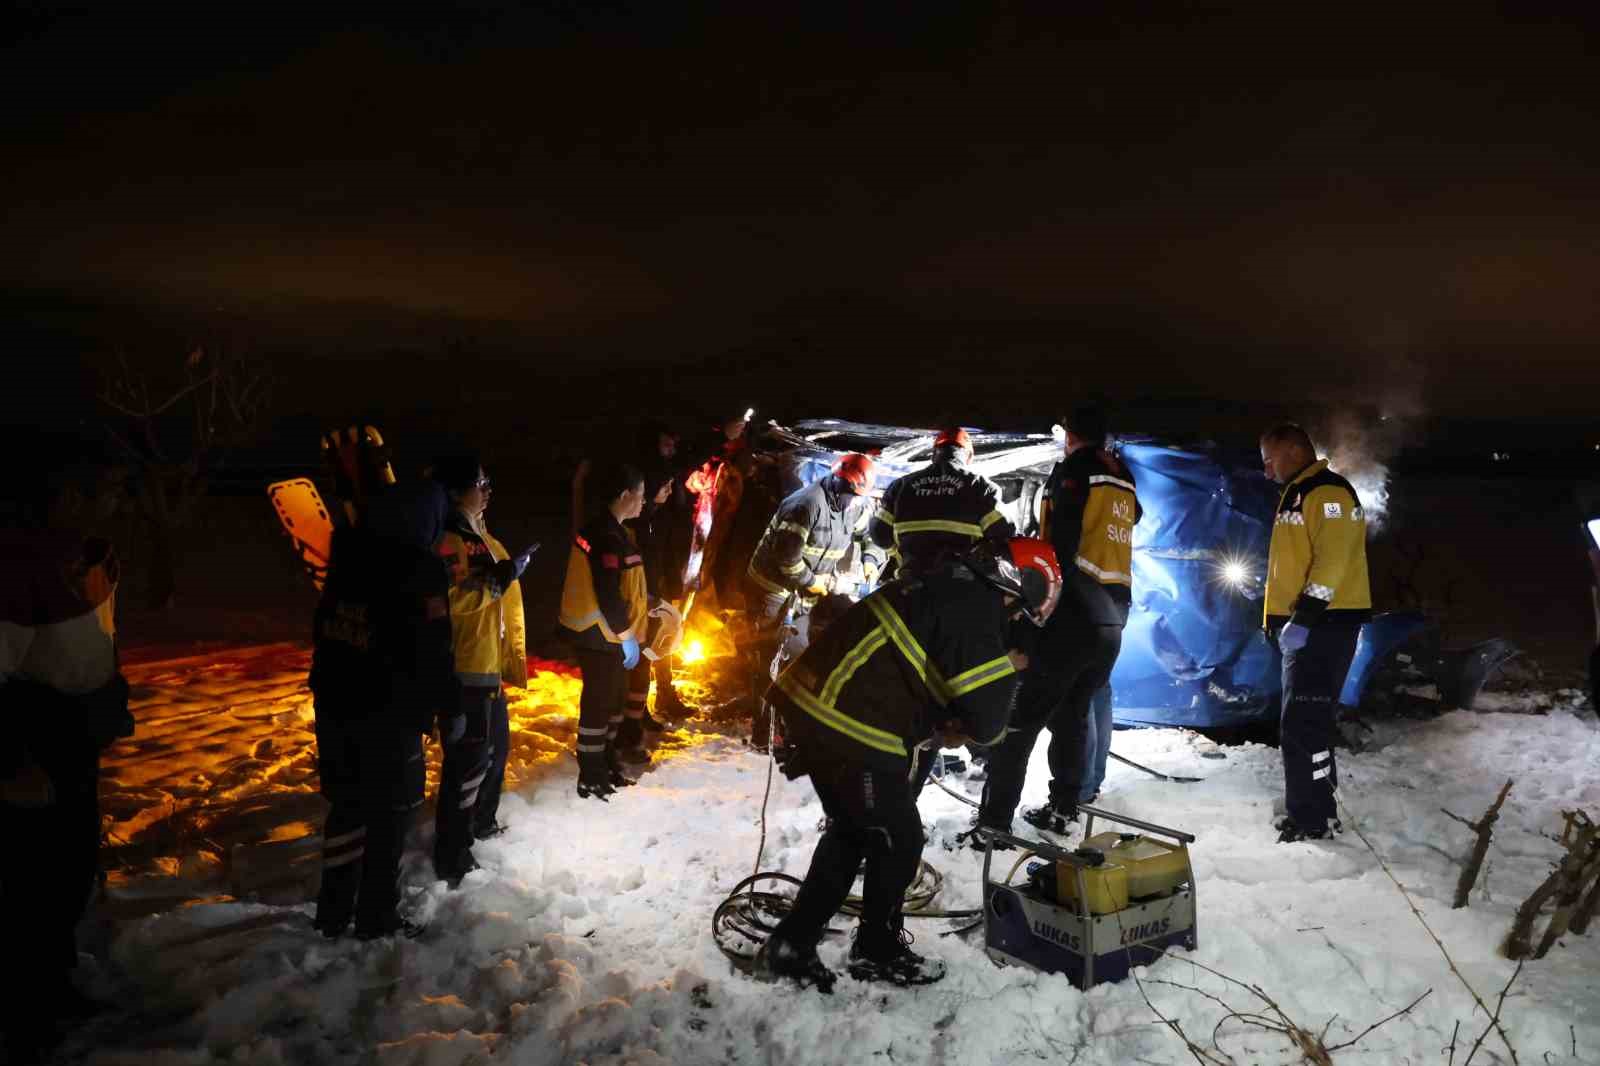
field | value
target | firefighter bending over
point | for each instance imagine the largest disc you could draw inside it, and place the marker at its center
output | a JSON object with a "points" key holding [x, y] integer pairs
{"points": [[1317, 598], [799, 560], [921, 661], [940, 511]]}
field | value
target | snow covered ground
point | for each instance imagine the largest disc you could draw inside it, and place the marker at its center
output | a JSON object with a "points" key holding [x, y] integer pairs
{"points": [[586, 937]]}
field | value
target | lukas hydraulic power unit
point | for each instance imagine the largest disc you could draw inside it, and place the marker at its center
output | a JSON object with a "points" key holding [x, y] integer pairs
{"points": [[1116, 901]]}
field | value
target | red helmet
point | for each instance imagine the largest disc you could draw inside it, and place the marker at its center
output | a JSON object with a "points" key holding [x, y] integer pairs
{"points": [[1026, 568], [856, 471], [953, 437]]}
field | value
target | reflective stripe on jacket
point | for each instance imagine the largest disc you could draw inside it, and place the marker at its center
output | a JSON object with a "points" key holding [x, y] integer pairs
{"points": [[490, 632], [914, 654], [1088, 513], [1317, 561], [605, 594], [937, 512], [806, 540]]}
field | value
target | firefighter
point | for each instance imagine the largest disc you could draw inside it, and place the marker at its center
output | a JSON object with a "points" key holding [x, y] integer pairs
{"points": [[490, 650], [1088, 510], [382, 673], [939, 511], [798, 560], [922, 661], [1317, 598], [604, 605], [64, 701]]}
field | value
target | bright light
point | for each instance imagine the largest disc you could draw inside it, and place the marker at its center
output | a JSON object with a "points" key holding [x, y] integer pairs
{"points": [[1235, 573], [749, 413], [693, 651]]}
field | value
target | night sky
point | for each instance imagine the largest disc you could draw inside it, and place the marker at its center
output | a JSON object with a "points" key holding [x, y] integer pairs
{"points": [[1333, 201]]}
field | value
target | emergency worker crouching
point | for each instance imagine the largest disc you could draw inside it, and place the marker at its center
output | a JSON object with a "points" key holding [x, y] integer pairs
{"points": [[921, 661], [1089, 509], [940, 511], [490, 650], [798, 560], [604, 606], [1317, 599], [382, 673]]}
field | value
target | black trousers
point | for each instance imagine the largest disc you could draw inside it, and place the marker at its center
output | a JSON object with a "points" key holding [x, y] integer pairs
{"points": [[600, 707], [494, 783], [775, 647], [467, 763], [1056, 692], [51, 858], [872, 817], [372, 772], [1312, 680]]}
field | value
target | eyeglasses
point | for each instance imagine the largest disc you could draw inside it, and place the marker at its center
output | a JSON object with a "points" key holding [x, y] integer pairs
{"points": [[481, 483]]}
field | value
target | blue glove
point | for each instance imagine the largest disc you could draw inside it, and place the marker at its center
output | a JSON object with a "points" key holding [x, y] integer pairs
{"points": [[1293, 637], [630, 653]]}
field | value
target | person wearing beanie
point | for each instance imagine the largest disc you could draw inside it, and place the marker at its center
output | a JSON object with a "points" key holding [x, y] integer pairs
{"points": [[490, 636]]}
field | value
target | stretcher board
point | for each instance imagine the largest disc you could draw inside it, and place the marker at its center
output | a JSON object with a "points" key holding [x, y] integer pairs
{"points": [[306, 520], [358, 459]]}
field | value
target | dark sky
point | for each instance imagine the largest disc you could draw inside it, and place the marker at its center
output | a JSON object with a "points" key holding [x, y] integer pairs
{"points": [[1330, 199]]}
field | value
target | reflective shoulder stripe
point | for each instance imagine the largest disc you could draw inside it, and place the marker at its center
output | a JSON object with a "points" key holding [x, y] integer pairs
{"points": [[990, 519], [793, 527], [975, 678], [939, 525], [857, 657], [900, 633], [753, 575], [1104, 575], [885, 516], [833, 718], [1107, 479]]}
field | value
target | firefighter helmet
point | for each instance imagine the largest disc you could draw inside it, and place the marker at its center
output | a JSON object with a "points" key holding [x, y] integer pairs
{"points": [[855, 470], [953, 437], [1024, 567]]}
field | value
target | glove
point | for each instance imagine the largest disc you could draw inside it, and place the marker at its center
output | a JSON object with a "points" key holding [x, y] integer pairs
{"points": [[452, 729], [630, 652], [1293, 637]]}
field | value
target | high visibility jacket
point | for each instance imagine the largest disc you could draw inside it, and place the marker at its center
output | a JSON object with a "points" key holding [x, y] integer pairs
{"points": [[1089, 509], [491, 633], [605, 593], [383, 649], [805, 541], [916, 653], [939, 511], [1317, 560]]}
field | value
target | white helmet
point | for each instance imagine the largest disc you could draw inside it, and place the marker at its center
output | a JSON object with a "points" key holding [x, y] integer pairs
{"points": [[665, 631]]}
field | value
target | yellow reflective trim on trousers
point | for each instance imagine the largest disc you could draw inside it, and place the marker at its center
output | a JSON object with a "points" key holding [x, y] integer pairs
{"points": [[898, 632], [939, 525], [852, 662], [969, 680], [835, 719], [776, 590], [990, 519]]}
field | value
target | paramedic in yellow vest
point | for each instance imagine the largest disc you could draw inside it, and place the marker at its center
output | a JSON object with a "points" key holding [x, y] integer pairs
{"points": [[604, 605], [1088, 511], [1317, 598], [489, 635]]}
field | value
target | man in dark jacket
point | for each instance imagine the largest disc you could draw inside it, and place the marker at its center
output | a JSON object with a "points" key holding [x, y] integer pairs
{"points": [[940, 511], [666, 508], [1089, 510], [920, 661], [382, 673], [799, 560]]}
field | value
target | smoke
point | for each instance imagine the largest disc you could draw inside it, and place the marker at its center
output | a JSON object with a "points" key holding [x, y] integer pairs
{"points": [[1360, 441]]}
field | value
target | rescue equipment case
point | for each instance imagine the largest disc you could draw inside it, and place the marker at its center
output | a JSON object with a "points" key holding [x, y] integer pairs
{"points": [[1118, 901]]}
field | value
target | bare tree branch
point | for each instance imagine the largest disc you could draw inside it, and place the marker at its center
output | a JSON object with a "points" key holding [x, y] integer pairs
{"points": [[1494, 1021], [1484, 828]]}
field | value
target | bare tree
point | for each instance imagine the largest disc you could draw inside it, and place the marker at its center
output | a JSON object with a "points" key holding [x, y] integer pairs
{"points": [[174, 424]]}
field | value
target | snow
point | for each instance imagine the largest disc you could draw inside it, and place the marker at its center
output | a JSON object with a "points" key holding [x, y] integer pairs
{"points": [[586, 937]]}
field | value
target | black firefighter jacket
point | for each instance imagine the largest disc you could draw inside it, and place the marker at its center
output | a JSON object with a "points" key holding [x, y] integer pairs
{"points": [[382, 642], [805, 541], [937, 512], [916, 653]]}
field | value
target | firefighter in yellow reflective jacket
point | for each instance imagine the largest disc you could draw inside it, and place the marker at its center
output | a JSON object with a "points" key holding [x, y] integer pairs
{"points": [[1089, 508], [1317, 598], [800, 559], [490, 637], [921, 661], [604, 605], [941, 510]]}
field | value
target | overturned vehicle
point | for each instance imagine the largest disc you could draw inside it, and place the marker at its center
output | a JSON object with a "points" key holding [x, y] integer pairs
{"points": [[1193, 653]]}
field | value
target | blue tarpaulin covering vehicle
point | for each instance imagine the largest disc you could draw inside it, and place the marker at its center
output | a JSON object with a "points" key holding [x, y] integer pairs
{"points": [[1194, 653]]}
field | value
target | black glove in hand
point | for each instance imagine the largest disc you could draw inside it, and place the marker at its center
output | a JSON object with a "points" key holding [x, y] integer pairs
{"points": [[508, 570]]}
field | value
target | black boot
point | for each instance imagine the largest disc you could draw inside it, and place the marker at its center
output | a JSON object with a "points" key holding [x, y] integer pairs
{"points": [[628, 745], [1051, 817], [885, 955], [594, 775], [778, 958]]}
